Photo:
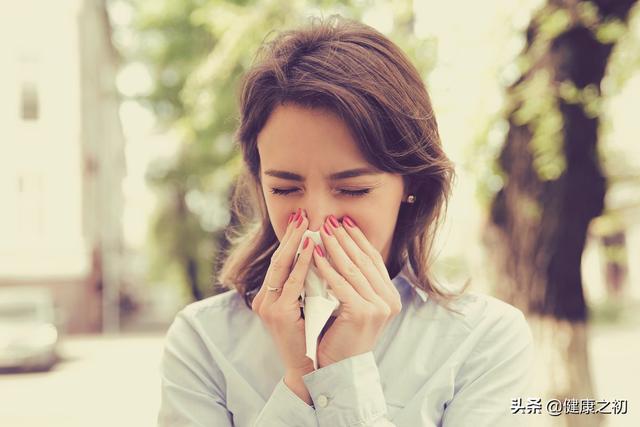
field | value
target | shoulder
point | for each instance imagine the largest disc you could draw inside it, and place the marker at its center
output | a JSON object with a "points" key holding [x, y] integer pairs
{"points": [[478, 322], [211, 319], [213, 305], [494, 326], [480, 310], [192, 356]]}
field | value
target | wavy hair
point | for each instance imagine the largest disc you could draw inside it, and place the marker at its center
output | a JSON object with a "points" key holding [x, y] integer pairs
{"points": [[359, 74]]}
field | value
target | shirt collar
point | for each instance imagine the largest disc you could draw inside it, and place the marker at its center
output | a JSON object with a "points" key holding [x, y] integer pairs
{"points": [[407, 275]]}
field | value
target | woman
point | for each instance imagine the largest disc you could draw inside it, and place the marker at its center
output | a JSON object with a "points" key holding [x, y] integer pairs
{"points": [[338, 136]]}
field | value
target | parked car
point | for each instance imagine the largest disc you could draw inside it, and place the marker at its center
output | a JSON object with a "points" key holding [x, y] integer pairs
{"points": [[28, 332]]}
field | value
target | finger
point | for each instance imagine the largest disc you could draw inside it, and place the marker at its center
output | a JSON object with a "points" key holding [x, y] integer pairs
{"points": [[364, 261], [391, 295], [291, 225], [361, 240], [344, 266], [345, 293], [294, 284], [280, 265]]}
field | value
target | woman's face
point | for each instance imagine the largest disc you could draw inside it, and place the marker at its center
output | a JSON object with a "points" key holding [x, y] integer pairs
{"points": [[300, 149]]}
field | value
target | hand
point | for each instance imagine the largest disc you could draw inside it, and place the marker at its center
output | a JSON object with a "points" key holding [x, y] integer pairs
{"points": [[360, 281], [280, 311]]}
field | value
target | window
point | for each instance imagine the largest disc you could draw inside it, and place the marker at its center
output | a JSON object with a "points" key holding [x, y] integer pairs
{"points": [[29, 97]]}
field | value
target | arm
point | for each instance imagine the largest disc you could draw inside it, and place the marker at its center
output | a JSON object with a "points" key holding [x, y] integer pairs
{"points": [[190, 396], [497, 371], [193, 387], [284, 408], [348, 393]]}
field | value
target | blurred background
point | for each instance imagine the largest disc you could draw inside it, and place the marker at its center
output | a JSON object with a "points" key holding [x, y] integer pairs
{"points": [[117, 162]]}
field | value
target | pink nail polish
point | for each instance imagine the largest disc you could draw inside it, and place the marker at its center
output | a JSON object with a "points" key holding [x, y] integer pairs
{"points": [[334, 221], [348, 221], [318, 250], [326, 229]]}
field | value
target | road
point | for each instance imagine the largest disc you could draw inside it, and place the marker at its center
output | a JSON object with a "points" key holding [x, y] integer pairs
{"points": [[102, 381], [614, 355]]}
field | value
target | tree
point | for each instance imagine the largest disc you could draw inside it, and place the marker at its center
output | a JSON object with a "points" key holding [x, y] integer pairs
{"points": [[553, 185]]}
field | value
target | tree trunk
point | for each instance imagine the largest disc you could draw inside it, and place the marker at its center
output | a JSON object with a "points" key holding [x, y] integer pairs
{"points": [[183, 248], [190, 266], [553, 188]]}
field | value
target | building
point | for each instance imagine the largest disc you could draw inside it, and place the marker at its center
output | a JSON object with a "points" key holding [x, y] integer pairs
{"points": [[61, 158]]}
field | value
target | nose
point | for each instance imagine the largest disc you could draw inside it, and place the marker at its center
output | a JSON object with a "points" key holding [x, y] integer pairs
{"points": [[318, 211], [316, 220]]}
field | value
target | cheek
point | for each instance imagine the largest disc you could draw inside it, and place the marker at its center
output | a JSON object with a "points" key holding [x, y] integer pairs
{"points": [[377, 229], [377, 221], [279, 221], [370, 227], [278, 216]]}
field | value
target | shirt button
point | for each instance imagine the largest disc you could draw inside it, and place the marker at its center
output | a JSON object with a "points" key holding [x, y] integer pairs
{"points": [[322, 401]]}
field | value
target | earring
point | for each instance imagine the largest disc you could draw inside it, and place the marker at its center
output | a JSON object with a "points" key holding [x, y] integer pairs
{"points": [[411, 198]]}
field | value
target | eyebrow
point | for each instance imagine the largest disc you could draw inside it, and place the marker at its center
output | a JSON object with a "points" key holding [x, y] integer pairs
{"points": [[349, 173]]}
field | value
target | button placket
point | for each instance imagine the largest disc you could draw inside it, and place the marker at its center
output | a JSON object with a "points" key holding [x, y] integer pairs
{"points": [[322, 401]]}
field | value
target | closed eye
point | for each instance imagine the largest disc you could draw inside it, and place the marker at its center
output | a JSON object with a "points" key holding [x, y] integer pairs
{"points": [[352, 193]]}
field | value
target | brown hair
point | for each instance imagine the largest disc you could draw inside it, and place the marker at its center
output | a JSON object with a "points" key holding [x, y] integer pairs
{"points": [[357, 73]]}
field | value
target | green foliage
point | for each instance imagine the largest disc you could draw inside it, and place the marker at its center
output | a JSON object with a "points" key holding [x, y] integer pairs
{"points": [[610, 31], [538, 109], [587, 13], [485, 150], [554, 23], [611, 311], [534, 101], [588, 97], [625, 58]]}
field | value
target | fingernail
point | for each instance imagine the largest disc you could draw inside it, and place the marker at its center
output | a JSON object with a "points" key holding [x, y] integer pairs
{"points": [[300, 219], [290, 218], [334, 221], [306, 243], [349, 221], [295, 218], [318, 250], [326, 229]]}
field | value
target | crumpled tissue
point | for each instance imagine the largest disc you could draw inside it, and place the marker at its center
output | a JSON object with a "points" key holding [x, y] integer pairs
{"points": [[318, 301]]}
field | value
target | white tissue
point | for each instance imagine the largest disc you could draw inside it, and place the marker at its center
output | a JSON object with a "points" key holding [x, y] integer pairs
{"points": [[318, 302]]}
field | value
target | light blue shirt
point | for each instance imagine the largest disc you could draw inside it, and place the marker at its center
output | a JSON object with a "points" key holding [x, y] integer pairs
{"points": [[430, 367]]}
